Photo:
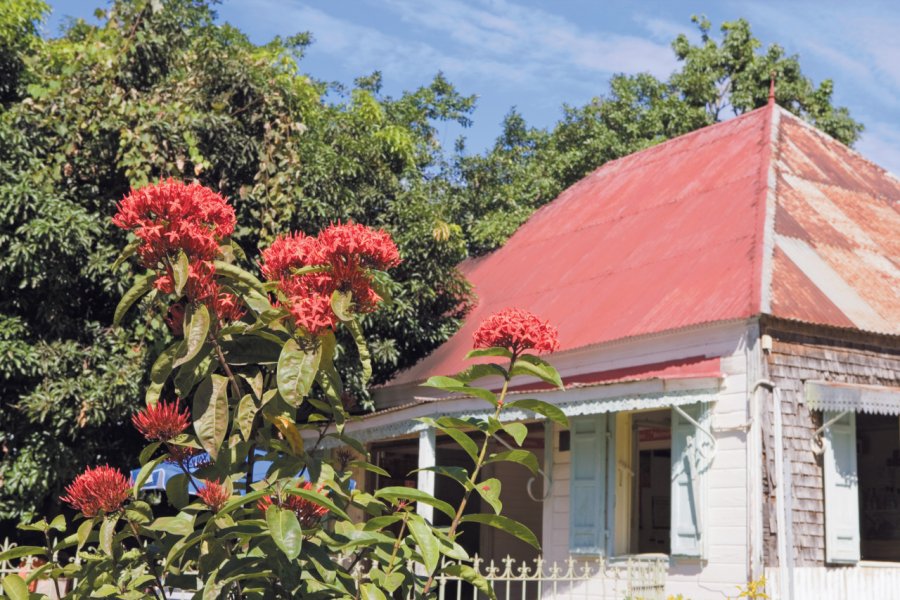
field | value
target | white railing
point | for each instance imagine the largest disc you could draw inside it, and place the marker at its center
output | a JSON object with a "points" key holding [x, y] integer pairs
{"points": [[637, 577], [862, 581]]}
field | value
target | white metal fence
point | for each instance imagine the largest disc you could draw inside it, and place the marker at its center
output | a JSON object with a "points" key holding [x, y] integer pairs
{"points": [[859, 582], [638, 577]]}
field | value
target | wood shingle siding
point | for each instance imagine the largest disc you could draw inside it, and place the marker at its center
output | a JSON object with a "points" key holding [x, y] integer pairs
{"points": [[801, 353]]}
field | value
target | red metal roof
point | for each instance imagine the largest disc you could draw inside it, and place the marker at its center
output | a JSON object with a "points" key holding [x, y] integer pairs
{"points": [[757, 214]]}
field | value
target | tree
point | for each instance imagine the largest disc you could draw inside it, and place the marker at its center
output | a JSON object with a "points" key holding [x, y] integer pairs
{"points": [[528, 167], [261, 374], [159, 89]]}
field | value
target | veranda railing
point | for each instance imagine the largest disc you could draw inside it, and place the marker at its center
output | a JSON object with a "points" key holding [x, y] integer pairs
{"points": [[637, 577]]}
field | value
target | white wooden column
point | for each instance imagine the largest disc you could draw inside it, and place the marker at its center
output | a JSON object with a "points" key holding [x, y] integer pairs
{"points": [[427, 458]]}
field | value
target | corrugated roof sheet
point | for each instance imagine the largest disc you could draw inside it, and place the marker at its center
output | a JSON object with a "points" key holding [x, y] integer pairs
{"points": [[761, 213]]}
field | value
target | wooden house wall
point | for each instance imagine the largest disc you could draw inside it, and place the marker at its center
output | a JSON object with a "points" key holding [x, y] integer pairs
{"points": [[800, 353]]}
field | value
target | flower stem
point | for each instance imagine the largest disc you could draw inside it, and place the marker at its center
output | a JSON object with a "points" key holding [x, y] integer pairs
{"points": [[478, 464], [390, 565], [151, 564], [50, 557]]}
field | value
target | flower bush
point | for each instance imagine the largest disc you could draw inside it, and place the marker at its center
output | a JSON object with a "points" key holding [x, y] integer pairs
{"points": [[256, 359]]}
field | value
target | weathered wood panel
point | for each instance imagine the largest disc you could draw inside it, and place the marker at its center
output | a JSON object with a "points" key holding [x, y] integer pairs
{"points": [[800, 353]]}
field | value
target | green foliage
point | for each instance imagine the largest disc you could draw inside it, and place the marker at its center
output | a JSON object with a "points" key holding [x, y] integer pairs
{"points": [[158, 89], [286, 536]]}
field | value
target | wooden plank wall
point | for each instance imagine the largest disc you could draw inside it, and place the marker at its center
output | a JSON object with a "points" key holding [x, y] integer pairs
{"points": [[800, 353]]}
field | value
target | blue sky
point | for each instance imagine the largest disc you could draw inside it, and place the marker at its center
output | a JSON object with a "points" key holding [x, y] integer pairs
{"points": [[539, 55]]}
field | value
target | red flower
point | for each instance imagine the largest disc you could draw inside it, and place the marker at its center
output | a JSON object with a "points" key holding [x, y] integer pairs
{"points": [[182, 455], [345, 252], [162, 421], [172, 216], [291, 251], [516, 330], [313, 313], [98, 489], [214, 495], [308, 513], [358, 245]]}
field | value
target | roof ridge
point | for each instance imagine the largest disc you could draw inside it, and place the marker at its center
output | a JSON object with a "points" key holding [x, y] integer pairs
{"points": [[761, 295], [855, 153]]}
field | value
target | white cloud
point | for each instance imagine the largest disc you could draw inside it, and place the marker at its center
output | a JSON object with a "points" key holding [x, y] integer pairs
{"points": [[881, 144], [533, 40]]}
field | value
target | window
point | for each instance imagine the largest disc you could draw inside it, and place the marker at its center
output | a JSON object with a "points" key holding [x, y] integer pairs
{"points": [[862, 487], [637, 482], [878, 460]]}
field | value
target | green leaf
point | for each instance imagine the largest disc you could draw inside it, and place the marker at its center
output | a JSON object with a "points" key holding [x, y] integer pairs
{"points": [[159, 373], [362, 464], [139, 512], [531, 365], [458, 474], [489, 490], [246, 413], [127, 252], [194, 370], [489, 352], [177, 490], [238, 274], [425, 540], [180, 524], [107, 533], [285, 530], [196, 328], [20, 551], [451, 384], [142, 285], [522, 457], [210, 413], [15, 588], [460, 437], [180, 271], [297, 371], [84, 532], [478, 371], [251, 350], [341, 302], [58, 523], [376, 523], [239, 501], [144, 473], [405, 493], [518, 431], [470, 575], [365, 358], [540, 407], [504, 524], [147, 452]]}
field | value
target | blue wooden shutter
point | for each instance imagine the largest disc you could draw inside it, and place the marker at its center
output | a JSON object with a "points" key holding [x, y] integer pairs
{"points": [[841, 490], [587, 506], [688, 489]]}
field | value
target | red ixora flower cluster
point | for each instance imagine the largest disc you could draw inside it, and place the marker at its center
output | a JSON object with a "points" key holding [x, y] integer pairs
{"points": [[516, 330], [308, 513], [345, 252], [163, 421], [172, 217], [214, 495], [98, 489]]}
